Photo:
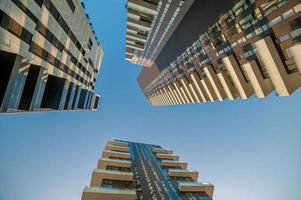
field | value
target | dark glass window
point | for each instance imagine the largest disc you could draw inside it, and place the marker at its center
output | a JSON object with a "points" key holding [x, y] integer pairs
{"points": [[39, 2], [26, 36], [71, 5], [90, 43]]}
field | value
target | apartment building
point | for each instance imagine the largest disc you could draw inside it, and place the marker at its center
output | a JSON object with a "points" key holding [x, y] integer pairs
{"points": [[130, 171], [50, 57], [205, 51]]}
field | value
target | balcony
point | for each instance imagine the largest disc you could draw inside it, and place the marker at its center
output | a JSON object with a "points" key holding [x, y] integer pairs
{"points": [[107, 154], [142, 6], [174, 164], [99, 174], [183, 173], [138, 37], [165, 151], [117, 143], [104, 162], [167, 157], [117, 148], [139, 24], [97, 193], [196, 187], [129, 51], [135, 46]]}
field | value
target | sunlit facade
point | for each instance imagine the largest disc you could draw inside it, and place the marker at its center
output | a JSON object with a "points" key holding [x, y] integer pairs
{"points": [[130, 171], [197, 51], [50, 57]]}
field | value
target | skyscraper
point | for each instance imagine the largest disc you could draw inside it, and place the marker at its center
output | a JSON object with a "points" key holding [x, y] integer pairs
{"points": [[203, 51], [129, 171], [49, 56]]}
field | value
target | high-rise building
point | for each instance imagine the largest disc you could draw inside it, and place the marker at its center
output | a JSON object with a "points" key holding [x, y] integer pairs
{"points": [[203, 51], [49, 56], [129, 171]]}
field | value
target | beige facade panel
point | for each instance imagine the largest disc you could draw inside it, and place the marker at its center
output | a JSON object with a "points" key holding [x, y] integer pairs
{"points": [[193, 90], [262, 87], [117, 143], [197, 84], [166, 99], [108, 154], [230, 90], [196, 187], [174, 94], [187, 90], [162, 151], [99, 174], [109, 147], [183, 92], [169, 95], [179, 93], [243, 88], [104, 162], [208, 89], [183, 174], [170, 163], [97, 193], [215, 83], [167, 157], [142, 6]]}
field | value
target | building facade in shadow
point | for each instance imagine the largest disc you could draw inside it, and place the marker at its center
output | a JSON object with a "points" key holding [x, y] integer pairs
{"points": [[49, 56]]}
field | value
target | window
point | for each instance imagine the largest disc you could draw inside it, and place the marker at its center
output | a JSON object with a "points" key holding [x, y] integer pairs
{"points": [[90, 43], [26, 36], [39, 2], [71, 5]]}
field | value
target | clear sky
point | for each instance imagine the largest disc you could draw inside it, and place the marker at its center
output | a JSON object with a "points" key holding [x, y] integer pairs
{"points": [[248, 149]]}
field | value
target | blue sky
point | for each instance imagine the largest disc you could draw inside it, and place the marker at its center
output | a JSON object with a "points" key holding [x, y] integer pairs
{"points": [[248, 149]]}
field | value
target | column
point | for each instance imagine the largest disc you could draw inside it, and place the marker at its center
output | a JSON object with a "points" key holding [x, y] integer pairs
{"points": [[15, 85]]}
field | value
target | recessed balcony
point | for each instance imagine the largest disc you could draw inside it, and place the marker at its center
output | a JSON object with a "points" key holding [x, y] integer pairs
{"points": [[98, 193], [115, 154], [167, 156], [174, 164], [104, 162], [99, 174], [117, 148], [196, 187], [165, 151]]}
